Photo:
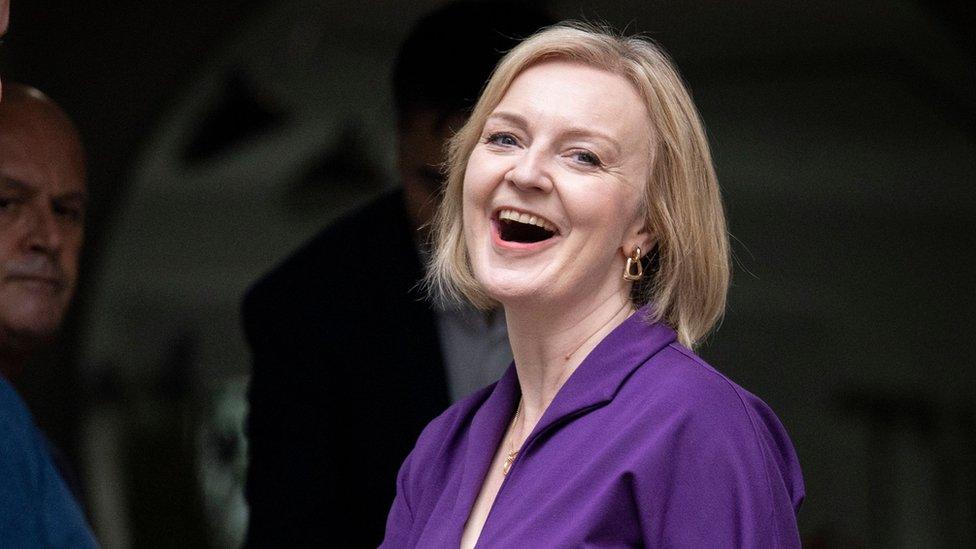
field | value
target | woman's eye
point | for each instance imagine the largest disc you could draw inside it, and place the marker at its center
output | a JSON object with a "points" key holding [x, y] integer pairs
{"points": [[586, 157], [501, 138]]}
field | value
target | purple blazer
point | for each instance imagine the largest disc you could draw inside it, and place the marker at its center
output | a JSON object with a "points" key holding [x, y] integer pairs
{"points": [[644, 445]]}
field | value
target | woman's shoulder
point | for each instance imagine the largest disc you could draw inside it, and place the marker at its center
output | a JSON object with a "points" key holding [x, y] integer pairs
{"points": [[442, 431], [425, 469], [705, 412], [700, 449], [686, 383]]}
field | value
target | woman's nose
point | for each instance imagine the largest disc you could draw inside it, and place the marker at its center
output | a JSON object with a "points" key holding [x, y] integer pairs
{"points": [[531, 171]]}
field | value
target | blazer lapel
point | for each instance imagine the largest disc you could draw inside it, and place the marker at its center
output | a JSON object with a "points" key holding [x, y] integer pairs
{"points": [[487, 429], [604, 370]]}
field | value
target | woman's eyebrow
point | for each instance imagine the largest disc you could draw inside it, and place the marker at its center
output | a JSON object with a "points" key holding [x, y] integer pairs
{"points": [[510, 117], [593, 133]]}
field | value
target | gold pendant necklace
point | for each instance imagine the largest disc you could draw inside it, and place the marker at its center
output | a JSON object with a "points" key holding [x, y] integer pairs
{"points": [[514, 453], [508, 461]]}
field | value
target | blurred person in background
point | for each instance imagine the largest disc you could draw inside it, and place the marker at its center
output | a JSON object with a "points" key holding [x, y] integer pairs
{"points": [[349, 360], [42, 211]]}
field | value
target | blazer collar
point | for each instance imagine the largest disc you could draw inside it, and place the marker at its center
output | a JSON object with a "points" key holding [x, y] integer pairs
{"points": [[595, 382], [606, 368]]}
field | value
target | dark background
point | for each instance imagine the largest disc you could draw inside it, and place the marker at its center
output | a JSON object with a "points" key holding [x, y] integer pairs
{"points": [[223, 133]]}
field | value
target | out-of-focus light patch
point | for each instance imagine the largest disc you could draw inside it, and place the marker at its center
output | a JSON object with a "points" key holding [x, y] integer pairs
{"points": [[222, 461]]}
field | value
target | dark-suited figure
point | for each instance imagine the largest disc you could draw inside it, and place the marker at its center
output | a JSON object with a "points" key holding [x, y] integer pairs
{"points": [[348, 355]]}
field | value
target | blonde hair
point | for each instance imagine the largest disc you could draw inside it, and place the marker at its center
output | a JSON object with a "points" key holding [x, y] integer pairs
{"points": [[689, 266]]}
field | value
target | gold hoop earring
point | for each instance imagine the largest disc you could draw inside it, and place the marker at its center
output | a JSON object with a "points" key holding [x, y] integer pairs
{"points": [[634, 271]]}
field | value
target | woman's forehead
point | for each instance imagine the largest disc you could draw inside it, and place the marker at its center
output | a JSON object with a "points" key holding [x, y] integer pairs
{"points": [[577, 97]]}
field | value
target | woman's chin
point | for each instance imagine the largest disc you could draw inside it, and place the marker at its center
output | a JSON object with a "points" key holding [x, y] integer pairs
{"points": [[514, 293]]}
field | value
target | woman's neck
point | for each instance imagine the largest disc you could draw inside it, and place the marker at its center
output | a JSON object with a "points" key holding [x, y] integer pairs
{"points": [[548, 346]]}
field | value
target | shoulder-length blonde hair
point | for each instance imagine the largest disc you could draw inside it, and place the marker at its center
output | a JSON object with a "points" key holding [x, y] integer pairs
{"points": [[689, 265]]}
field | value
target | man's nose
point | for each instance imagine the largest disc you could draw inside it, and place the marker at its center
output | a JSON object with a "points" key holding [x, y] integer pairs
{"points": [[531, 171], [43, 230]]}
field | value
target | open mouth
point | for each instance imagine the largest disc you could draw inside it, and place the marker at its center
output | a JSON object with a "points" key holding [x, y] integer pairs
{"points": [[516, 226]]}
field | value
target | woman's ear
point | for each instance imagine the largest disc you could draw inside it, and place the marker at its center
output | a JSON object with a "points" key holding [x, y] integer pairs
{"points": [[647, 242], [638, 236]]}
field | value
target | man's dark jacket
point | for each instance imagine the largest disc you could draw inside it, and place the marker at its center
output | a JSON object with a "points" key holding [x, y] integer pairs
{"points": [[347, 371]]}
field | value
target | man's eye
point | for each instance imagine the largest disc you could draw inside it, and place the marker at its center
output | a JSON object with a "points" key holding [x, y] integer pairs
{"points": [[71, 214], [503, 139], [6, 204]]}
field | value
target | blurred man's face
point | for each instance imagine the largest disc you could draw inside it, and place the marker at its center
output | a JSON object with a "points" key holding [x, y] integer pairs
{"points": [[422, 137], [42, 207]]}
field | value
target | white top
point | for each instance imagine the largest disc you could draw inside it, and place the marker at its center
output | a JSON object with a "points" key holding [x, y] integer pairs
{"points": [[475, 348]]}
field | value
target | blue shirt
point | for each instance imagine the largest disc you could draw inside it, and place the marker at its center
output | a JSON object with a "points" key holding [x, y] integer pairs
{"points": [[644, 445], [36, 507]]}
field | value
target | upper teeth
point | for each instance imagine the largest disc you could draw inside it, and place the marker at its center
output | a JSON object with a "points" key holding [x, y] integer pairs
{"points": [[529, 219]]}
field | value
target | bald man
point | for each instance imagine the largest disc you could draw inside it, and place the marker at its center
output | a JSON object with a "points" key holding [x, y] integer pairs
{"points": [[42, 208]]}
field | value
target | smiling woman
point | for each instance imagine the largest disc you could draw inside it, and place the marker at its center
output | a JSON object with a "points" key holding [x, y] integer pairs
{"points": [[568, 147], [678, 193], [584, 151]]}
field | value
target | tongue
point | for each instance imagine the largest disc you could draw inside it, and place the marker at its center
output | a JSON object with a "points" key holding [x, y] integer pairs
{"points": [[513, 231]]}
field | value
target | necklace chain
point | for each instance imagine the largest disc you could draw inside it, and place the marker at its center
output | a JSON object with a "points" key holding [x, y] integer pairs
{"points": [[514, 453]]}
